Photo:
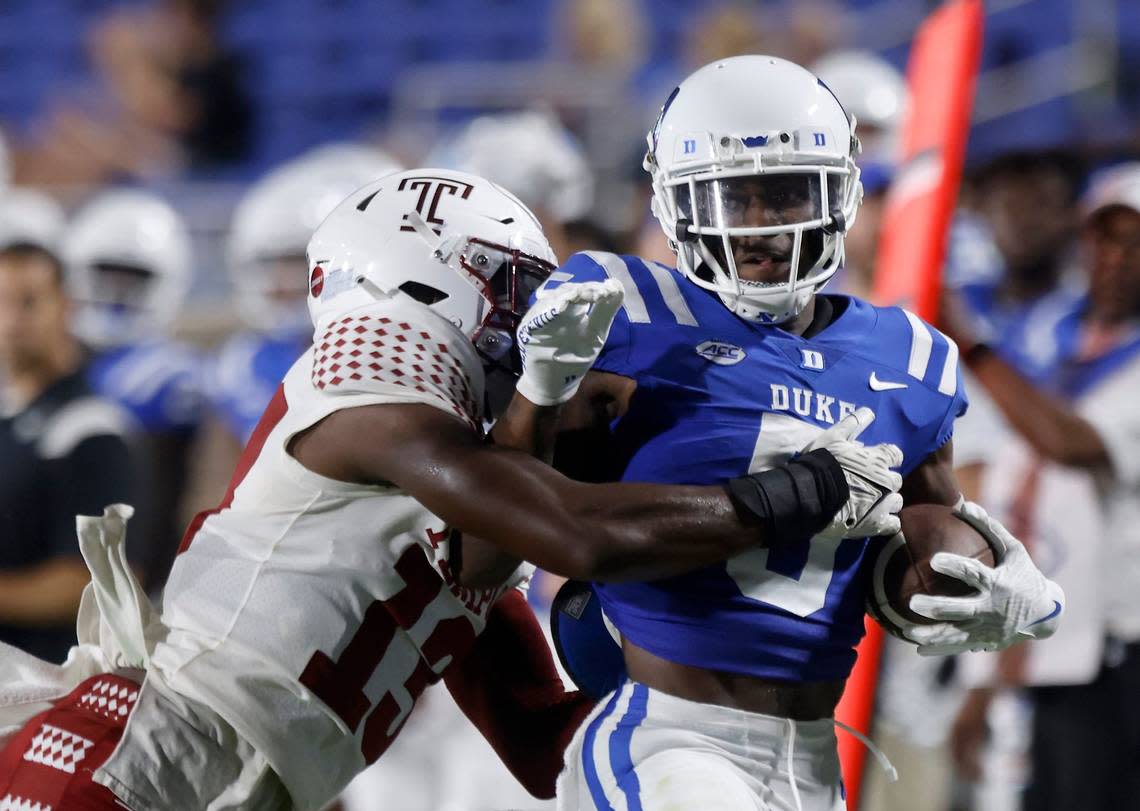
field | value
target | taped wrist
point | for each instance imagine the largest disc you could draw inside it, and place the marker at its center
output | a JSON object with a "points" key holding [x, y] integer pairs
{"points": [[793, 501]]}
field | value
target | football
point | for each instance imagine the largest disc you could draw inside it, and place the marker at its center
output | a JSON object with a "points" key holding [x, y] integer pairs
{"points": [[902, 567]]}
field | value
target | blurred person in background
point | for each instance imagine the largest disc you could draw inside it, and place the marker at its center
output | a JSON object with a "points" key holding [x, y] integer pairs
{"points": [[63, 450], [1069, 475], [128, 261], [606, 36], [265, 258], [168, 97], [170, 72], [875, 92], [29, 218], [1011, 259], [544, 165], [534, 156], [1027, 210], [727, 29]]}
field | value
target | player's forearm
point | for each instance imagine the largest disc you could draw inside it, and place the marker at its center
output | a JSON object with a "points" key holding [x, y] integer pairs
{"points": [[627, 532], [1054, 431], [609, 532], [641, 531], [590, 532], [47, 594], [524, 427], [648, 531]]}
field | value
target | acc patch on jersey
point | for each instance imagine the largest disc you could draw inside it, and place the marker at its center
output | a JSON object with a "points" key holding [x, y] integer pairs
{"points": [[721, 352]]}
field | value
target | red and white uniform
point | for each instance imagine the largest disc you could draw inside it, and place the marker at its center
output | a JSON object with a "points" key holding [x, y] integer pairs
{"points": [[307, 613]]}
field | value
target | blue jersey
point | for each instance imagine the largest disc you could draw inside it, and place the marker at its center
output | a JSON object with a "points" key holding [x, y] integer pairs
{"points": [[1024, 333], [158, 382], [1071, 373], [247, 371], [718, 397]]}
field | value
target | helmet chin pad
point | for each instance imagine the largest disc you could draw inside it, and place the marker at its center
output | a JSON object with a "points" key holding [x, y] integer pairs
{"points": [[759, 313], [774, 303]]}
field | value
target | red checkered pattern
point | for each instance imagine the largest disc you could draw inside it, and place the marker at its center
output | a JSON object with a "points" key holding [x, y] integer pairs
{"points": [[360, 348], [110, 699], [49, 763], [57, 748]]}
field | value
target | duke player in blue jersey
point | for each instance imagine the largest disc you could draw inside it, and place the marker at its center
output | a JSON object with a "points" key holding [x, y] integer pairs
{"points": [[731, 363], [128, 260]]}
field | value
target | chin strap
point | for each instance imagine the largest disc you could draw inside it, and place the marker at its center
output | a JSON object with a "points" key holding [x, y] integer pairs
{"points": [[837, 224]]}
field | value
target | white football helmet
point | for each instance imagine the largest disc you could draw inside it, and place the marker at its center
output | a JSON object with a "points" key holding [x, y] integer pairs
{"points": [[30, 217], [529, 153], [127, 254], [748, 130], [871, 89], [276, 218], [456, 243]]}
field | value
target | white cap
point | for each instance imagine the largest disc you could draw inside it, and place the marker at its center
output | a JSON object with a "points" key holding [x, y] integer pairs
{"points": [[1116, 186], [31, 217]]}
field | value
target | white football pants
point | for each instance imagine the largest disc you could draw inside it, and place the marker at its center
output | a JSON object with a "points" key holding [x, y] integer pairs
{"points": [[644, 750]]}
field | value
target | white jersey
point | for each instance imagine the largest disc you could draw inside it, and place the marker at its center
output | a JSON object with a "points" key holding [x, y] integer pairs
{"points": [[310, 613]]}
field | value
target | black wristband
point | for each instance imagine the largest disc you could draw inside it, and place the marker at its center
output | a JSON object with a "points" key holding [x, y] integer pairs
{"points": [[793, 501]]}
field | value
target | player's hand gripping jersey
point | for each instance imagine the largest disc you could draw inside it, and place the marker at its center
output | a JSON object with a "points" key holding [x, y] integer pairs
{"points": [[717, 397], [309, 613]]}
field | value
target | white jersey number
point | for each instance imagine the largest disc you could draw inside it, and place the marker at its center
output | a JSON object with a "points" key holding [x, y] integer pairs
{"points": [[782, 436]]}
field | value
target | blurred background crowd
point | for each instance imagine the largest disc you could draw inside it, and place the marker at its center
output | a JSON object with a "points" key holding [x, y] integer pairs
{"points": [[163, 163]]}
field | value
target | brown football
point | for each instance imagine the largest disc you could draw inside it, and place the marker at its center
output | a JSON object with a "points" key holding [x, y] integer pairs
{"points": [[902, 568]]}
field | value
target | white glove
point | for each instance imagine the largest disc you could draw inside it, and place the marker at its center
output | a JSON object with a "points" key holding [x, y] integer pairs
{"points": [[874, 498], [1016, 602], [560, 337]]}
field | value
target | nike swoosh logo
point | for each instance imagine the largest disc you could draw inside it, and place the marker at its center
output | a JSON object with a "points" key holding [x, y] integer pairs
{"points": [[884, 385], [1056, 610]]}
